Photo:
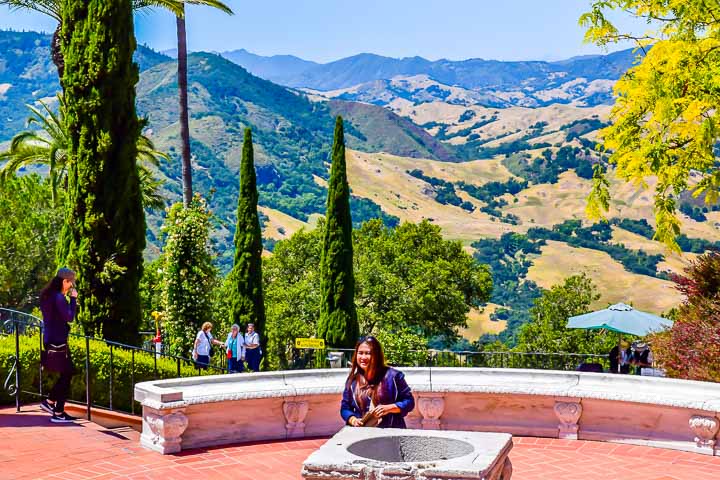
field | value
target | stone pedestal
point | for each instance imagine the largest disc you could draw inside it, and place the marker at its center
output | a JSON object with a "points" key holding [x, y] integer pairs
{"points": [[431, 407], [163, 429], [705, 429], [398, 454], [295, 412], [568, 412]]}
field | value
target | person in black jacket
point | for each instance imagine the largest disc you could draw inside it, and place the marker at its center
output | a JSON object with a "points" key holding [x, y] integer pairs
{"points": [[641, 356], [57, 314], [620, 358], [375, 394]]}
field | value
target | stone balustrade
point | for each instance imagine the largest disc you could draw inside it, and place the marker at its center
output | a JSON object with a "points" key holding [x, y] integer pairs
{"points": [[215, 410]]}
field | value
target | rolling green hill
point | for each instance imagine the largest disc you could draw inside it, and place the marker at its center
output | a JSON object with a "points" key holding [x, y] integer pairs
{"points": [[27, 74]]}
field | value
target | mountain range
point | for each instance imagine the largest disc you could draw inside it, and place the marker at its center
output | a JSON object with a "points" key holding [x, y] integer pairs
{"points": [[488, 150], [471, 73], [528, 79]]}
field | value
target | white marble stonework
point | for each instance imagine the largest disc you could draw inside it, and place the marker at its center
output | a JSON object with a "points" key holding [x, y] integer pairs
{"points": [[431, 407], [295, 412], [224, 409], [389, 453], [568, 412]]}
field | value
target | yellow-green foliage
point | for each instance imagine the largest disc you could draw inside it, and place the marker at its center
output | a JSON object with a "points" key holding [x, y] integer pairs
{"points": [[99, 371], [664, 122]]}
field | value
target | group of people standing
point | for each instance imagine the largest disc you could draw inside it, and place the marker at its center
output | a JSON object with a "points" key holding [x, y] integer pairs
{"points": [[239, 348], [625, 356]]}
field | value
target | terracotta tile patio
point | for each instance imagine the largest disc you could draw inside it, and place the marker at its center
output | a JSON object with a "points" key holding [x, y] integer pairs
{"points": [[33, 448]]}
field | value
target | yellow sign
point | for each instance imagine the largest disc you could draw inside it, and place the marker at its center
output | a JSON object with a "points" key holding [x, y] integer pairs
{"points": [[309, 343]]}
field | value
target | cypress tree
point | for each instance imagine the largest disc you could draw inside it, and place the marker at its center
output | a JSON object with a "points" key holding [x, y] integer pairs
{"points": [[247, 301], [104, 235], [338, 319]]}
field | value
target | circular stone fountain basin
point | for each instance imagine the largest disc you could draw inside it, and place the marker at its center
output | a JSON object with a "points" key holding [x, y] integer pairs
{"points": [[388, 453], [410, 448]]}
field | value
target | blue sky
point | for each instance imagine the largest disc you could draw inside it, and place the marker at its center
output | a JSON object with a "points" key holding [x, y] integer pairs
{"points": [[326, 30]]}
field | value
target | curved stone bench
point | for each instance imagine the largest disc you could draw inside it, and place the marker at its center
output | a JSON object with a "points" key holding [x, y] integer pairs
{"points": [[216, 410]]}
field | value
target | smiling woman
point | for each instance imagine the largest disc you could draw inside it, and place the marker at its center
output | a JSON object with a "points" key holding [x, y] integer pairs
{"points": [[375, 394]]}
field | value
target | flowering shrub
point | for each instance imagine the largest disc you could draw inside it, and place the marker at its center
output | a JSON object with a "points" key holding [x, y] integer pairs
{"points": [[691, 349], [187, 273]]}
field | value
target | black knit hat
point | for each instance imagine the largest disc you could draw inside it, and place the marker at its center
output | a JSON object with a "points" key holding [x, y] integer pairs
{"points": [[66, 273]]}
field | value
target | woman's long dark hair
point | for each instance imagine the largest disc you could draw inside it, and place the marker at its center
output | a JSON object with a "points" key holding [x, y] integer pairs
{"points": [[372, 378], [54, 286]]}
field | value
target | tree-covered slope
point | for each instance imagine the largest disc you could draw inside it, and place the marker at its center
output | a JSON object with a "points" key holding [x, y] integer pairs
{"points": [[292, 135], [27, 74]]}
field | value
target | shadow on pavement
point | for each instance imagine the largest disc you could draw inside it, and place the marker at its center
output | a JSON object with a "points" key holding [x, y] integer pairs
{"points": [[30, 420]]}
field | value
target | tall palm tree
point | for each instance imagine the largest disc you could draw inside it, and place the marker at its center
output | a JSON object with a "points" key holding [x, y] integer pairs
{"points": [[177, 7], [183, 93], [48, 146]]}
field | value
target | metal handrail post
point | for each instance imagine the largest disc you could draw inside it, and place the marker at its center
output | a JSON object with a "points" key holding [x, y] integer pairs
{"points": [[17, 364], [111, 377], [132, 384], [40, 368], [87, 376]]}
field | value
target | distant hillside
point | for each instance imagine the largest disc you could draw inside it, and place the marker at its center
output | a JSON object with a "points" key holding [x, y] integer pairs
{"points": [[27, 74], [280, 69], [483, 76], [376, 129]]}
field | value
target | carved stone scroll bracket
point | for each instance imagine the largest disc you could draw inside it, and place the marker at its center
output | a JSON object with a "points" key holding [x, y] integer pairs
{"points": [[705, 430], [507, 470], [295, 413], [163, 429], [431, 407], [568, 412], [502, 471]]}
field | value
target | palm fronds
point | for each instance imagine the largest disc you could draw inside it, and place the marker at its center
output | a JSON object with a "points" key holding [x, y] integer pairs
{"points": [[49, 145]]}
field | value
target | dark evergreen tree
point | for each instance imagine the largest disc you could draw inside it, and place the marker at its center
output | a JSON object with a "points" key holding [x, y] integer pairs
{"points": [[338, 323], [247, 301], [104, 235]]}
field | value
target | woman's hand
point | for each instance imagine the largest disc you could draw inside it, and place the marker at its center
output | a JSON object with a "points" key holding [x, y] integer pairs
{"points": [[355, 422], [382, 410]]}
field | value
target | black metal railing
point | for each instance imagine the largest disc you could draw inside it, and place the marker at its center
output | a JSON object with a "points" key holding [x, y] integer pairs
{"points": [[497, 359], [25, 329]]}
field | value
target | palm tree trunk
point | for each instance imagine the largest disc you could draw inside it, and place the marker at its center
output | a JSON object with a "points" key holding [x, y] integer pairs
{"points": [[56, 53], [184, 122]]}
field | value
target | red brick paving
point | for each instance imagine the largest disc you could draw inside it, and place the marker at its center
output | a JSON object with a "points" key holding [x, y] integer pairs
{"points": [[33, 448]]}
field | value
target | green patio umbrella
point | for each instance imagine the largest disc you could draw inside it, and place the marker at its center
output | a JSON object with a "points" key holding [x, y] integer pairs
{"points": [[620, 318]]}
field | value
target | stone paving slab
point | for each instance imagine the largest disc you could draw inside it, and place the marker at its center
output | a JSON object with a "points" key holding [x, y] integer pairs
{"points": [[33, 448]]}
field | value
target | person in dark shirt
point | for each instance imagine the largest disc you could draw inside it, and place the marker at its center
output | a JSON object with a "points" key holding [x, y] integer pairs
{"points": [[641, 356], [620, 358], [375, 394], [57, 314]]}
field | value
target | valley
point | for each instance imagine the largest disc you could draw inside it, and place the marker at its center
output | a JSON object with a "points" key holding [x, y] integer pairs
{"points": [[483, 149]]}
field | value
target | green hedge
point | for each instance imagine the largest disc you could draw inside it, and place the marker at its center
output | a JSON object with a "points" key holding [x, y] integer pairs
{"points": [[99, 371]]}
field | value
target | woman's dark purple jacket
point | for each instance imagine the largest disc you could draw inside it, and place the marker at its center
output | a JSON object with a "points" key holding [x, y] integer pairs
{"points": [[57, 314], [396, 387]]}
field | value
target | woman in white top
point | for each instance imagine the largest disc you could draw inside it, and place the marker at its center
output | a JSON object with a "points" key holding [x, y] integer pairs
{"points": [[235, 348], [201, 349], [252, 348]]}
